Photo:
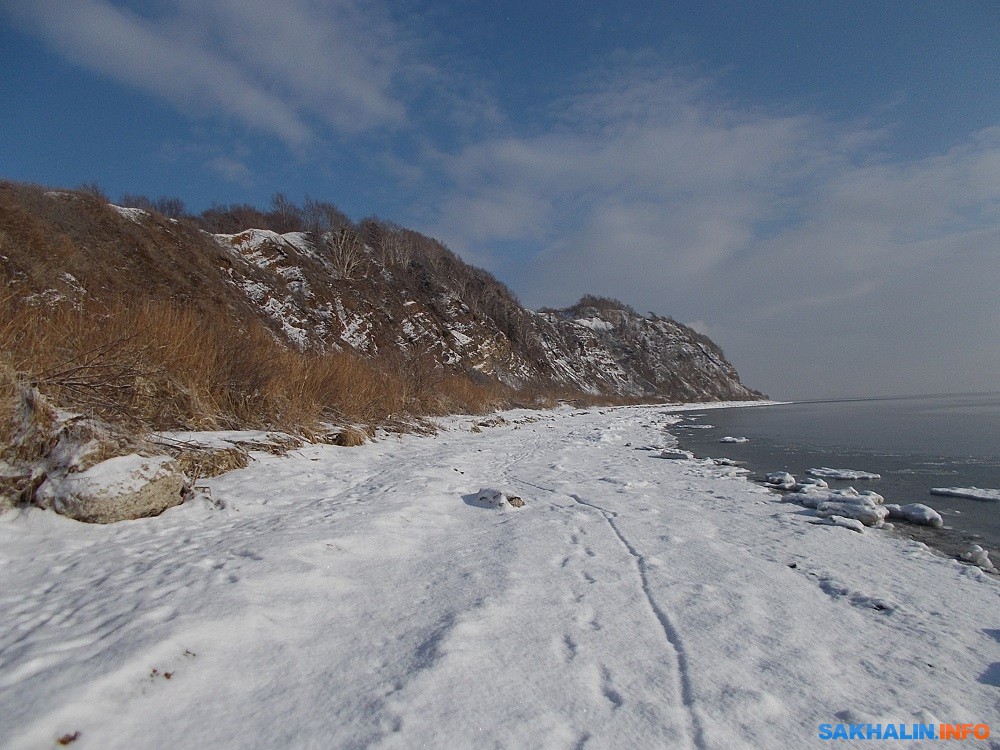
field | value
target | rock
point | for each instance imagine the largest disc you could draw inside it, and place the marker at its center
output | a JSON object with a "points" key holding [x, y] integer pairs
{"points": [[118, 489], [82, 468]]}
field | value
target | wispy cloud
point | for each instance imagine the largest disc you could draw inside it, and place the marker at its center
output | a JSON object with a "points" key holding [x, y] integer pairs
{"points": [[232, 170], [278, 67], [780, 232]]}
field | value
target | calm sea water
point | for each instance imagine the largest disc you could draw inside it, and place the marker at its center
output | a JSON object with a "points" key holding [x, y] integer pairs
{"points": [[914, 443]]}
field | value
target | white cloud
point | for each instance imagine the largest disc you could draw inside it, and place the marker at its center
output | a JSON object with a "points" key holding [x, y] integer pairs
{"points": [[232, 170], [274, 66], [807, 252]]}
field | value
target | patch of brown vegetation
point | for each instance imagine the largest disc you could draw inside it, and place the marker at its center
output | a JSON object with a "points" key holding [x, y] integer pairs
{"points": [[350, 437]]}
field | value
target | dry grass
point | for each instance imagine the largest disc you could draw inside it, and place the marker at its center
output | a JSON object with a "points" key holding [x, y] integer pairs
{"points": [[155, 364]]}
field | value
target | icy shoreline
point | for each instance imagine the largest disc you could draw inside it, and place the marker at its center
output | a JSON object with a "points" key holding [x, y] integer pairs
{"points": [[363, 596], [914, 520]]}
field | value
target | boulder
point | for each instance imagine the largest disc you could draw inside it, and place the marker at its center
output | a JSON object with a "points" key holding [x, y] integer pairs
{"points": [[117, 489]]}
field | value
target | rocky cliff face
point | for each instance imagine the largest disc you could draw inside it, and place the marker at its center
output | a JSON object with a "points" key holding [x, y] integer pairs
{"points": [[598, 346], [375, 289]]}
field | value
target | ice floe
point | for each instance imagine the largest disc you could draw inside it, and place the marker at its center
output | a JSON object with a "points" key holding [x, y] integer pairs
{"points": [[969, 493], [731, 439], [915, 513], [826, 472]]}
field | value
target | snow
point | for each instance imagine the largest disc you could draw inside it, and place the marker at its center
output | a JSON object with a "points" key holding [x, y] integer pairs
{"points": [[978, 556], [594, 324], [461, 338], [811, 482], [915, 513], [114, 476], [825, 472], [349, 597], [969, 493], [781, 479], [136, 215]]}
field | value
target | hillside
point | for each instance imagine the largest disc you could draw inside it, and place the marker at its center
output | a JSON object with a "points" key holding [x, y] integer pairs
{"points": [[367, 292]]}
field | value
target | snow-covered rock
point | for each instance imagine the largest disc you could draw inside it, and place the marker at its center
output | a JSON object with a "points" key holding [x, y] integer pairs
{"points": [[781, 479], [491, 498], [978, 556], [869, 514], [915, 513], [812, 496], [826, 472], [120, 488]]}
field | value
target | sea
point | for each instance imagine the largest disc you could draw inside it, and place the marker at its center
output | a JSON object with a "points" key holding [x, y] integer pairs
{"points": [[914, 443]]}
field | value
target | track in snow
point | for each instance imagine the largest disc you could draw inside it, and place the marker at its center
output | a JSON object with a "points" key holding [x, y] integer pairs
{"points": [[669, 631]]}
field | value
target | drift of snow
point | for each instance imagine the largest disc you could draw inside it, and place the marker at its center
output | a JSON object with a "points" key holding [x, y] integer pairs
{"points": [[969, 493], [355, 597], [825, 472]]}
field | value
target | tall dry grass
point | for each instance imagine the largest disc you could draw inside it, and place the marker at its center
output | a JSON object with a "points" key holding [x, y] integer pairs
{"points": [[161, 365]]}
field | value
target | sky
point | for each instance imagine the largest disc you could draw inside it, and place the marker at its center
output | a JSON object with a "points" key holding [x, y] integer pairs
{"points": [[815, 185]]}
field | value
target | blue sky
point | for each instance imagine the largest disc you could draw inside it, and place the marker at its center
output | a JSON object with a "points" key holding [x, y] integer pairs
{"points": [[816, 185]]}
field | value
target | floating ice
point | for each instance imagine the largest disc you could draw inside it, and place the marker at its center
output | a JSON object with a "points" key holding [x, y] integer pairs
{"points": [[731, 439], [850, 474], [970, 493], [915, 513]]}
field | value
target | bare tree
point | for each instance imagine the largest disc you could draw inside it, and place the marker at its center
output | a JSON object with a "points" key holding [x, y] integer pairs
{"points": [[286, 216], [345, 251], [172, 208], [320, 217], [394, 249]]}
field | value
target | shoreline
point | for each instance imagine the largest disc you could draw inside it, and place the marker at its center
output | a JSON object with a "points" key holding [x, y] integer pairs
{"points": [[946, 540], [368, 596]]}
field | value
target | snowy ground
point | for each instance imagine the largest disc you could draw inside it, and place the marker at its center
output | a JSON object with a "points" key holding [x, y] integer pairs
{"points": [[351, 597]]}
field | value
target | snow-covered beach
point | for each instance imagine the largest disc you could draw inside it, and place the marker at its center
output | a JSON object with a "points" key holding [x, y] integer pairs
{"points": [[348, 597]]}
